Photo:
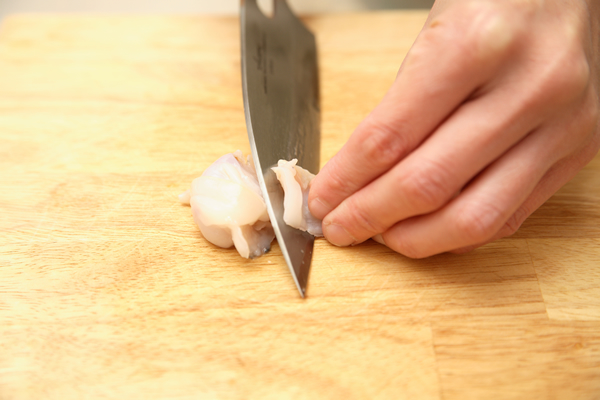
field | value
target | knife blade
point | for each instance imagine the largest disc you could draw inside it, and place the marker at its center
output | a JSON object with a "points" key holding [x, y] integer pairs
{"points": [[280, 85]]}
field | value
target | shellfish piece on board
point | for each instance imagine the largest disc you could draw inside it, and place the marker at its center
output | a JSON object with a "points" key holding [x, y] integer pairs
{"points": [[295, 182], [228, 206]]}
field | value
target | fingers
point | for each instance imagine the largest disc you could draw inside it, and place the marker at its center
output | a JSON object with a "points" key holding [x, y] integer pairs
{"points": [[498, 201], [467, 142], [432, 174], [457, 53]]}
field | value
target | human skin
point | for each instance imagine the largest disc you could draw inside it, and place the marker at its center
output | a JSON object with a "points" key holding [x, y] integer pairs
{"points": [[494, 108]]}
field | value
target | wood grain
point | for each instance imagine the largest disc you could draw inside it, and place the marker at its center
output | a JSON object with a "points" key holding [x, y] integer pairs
{"points": [[108, 290]]}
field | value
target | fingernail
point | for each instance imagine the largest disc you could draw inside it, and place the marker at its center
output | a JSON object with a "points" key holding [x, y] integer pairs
{"points": [[318, 208], [379, 239], [337, 235]]}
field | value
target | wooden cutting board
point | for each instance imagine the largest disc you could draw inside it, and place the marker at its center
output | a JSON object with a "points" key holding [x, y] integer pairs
{"points": [[108, 290]]}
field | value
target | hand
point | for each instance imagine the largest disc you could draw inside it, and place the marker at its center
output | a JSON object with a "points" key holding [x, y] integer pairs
{"points": [[494, 108]]}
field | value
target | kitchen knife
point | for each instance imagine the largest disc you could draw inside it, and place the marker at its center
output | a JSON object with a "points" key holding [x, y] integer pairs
{"points": [[281, 101]]}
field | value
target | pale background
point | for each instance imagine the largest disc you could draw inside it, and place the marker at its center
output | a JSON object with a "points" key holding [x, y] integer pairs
{"points": [[195, 6]]}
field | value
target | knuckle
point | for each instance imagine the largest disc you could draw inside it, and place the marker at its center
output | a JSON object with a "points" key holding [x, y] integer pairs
{"points": [[512, 225], [485, 29], [383, 145], [468, 34], [566, 76], [479, 222], [579, 73], [337, 184], [490, 30], [572, 76], [427, 188], [362, 223]]}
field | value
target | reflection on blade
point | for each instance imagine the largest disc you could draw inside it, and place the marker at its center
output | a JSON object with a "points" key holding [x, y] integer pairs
{"points": [[281, 102]]}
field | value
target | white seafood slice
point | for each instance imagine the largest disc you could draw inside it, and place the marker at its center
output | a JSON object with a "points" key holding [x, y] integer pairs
{"points": [[228, 206], [229, 209], [295, 182]]}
